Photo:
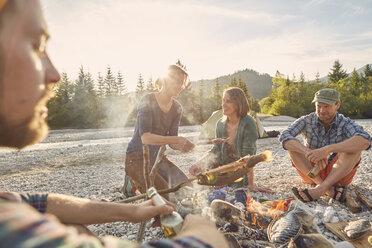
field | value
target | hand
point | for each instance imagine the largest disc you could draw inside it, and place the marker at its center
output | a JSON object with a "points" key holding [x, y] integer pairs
{"points": [[146, 210], [322, 164], [183, 144], [259, 189], [194, 170], [318, 154]]}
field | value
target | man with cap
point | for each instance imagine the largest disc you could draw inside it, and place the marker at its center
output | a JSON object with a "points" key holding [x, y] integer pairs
{"points": [[332, 148]]}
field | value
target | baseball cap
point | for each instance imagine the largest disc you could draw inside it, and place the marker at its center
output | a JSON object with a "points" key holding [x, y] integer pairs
{"points": [[329, 96]]}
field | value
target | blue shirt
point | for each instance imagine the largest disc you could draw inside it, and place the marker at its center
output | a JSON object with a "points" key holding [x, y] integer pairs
{"points": [[152, 119], [315, 135]]}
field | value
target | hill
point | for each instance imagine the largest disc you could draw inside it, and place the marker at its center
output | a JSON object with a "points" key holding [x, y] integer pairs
{"points": [[258, 85]]}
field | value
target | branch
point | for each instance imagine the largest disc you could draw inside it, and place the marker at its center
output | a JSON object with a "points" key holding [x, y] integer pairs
{"points": [[161, 192], [146, 165], [155, 168]]}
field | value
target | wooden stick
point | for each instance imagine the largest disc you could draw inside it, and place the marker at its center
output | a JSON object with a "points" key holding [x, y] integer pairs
{"points": [[141, 231], [157, 164], [363, 199], [227, 167], [146, 166], [351, 203], [146, 175], [162, 191]]}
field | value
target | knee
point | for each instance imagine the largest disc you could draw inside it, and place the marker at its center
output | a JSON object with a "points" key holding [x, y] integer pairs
{"points": [[348, 159]]}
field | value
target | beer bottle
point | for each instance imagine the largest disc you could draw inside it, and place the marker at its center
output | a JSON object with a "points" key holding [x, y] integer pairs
{"points": [[171, 224]]}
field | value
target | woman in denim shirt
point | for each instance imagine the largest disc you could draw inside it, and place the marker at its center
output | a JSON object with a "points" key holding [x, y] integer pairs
{"points": [[158, 119]]}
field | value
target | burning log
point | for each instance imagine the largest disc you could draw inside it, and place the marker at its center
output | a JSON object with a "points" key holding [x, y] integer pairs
{"points": [[256, 220], [223, 212], [229, 173]]}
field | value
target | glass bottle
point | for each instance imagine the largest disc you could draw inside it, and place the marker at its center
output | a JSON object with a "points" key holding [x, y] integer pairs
{"points": [[314, 172], [210, 178], [171, 224]]}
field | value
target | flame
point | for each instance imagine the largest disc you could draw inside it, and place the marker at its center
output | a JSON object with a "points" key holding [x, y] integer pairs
{"points": [[269, 208], [268, 155]]}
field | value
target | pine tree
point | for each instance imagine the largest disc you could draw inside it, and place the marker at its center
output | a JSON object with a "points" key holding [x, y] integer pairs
{"points": [[122, 89], [355, 83], [150, 86], [317, 78], [109, 82], [58, 106], [140, 87], [368, 71], [233, 82], [242, 85], [302, 77], [85, 108], [216, 95], [89, 83], [101, 89], [336, 74]]}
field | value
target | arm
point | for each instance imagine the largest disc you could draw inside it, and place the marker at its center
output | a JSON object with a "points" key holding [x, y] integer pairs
{"points": [[295, 145], [75, 210], [22, 226], [290, 134], [175, 142], [145, 123], [351, 145]]}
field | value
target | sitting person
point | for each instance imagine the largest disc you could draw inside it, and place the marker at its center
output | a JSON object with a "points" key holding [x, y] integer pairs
{"points": [[39, 219], [158, 119], [333, 146], [236, 135]]}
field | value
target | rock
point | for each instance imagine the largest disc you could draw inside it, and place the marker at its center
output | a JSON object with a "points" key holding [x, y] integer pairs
{"points": [[344, 244]]}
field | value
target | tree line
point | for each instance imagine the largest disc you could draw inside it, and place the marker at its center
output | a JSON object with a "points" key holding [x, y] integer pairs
{"points": [[293, 97], [105, 101]]}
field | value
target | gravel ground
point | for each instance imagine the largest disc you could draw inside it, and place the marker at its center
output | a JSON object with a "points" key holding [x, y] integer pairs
{"points": [[90, 163]]}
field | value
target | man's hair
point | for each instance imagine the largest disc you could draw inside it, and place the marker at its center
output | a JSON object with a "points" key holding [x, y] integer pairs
{"points": [[172, 70], [238, 97]]}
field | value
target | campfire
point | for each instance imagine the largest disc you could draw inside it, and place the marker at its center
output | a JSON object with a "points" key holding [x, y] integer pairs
{"points": [[260, 215], [248, 223]]}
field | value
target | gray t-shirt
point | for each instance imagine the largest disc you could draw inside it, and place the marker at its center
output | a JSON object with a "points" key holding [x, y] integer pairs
{"points": [[152, 119]]}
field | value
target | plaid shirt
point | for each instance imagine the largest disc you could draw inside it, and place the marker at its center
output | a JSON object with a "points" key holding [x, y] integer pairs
{"points": [[22, 226], [315, 135]]}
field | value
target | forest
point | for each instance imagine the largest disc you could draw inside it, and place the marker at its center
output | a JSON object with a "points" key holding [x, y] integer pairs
{"points": [[105, 102]]}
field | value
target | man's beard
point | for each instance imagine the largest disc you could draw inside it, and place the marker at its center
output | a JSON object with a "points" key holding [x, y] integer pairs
{"points": [[30, 131]]}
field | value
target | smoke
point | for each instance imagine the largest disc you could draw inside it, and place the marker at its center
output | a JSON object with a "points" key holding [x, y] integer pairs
{"points": [[118, 111]]}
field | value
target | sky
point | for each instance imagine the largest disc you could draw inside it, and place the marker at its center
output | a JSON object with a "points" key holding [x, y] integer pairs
{"points": [[212, 38]]}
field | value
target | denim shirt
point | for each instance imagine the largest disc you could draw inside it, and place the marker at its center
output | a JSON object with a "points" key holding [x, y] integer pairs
{"points": [[314, 134], [152, 119]]}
